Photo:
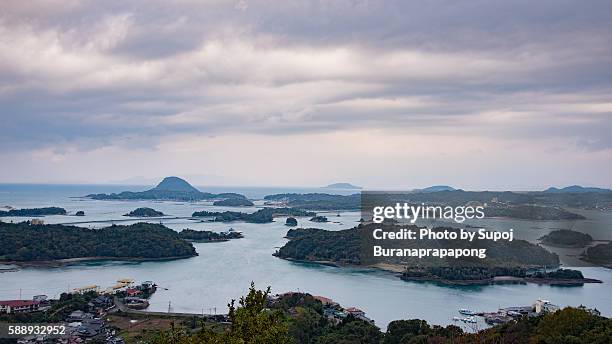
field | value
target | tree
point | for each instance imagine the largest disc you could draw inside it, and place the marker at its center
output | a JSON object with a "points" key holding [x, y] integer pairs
{"points": [[251, 323]]}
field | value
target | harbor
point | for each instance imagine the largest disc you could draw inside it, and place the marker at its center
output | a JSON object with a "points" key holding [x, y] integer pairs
{"points": [[508, 314]]}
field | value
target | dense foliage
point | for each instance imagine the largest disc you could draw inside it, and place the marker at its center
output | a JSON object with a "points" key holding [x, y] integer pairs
{"points": [[34, 212], [205, 236], [470, 273], [251, 322], [461, 273], [299, 318], [601, 253], [144, 212], [507, 204], [320, 245], [346, 246], [560, 274], [319, 219], [317, 201], [566, 237], [299, 232], [25, 242], [264, 215]]}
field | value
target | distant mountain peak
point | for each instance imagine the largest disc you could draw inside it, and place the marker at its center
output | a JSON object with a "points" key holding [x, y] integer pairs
{"points": [[437, 188], [175, 184], [576, 189], [342, 186]]}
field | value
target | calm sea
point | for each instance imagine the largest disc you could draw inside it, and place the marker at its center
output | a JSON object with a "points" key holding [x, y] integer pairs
{"points": [[223, 271]]}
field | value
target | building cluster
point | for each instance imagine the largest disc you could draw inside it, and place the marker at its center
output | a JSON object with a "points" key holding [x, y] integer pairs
{"points": [[539, 307], [122, 285], [134, 296], [81, 326], [332, 310]]}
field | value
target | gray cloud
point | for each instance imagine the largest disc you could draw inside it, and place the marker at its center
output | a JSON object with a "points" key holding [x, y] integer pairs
{"points": [[84, 75]]}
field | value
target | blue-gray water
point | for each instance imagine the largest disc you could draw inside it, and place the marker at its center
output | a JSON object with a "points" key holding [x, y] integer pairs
{"points": [[223, 271]]}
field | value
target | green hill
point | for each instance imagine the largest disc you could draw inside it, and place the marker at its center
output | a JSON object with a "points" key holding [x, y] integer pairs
{"points": [[25, 242]]}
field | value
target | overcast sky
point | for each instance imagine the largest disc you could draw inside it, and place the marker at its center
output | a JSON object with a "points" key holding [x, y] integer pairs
{"points": [[475, 94]]}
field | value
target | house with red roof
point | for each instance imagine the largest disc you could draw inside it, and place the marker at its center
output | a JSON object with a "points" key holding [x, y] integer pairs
{"points": [[19, 306]]}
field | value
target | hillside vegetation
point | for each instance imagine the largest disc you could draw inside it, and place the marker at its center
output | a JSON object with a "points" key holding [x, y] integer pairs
{"points": [[25, 242]]}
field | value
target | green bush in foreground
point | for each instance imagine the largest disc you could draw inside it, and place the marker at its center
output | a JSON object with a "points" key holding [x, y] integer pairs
{"points": [[298, 318]]}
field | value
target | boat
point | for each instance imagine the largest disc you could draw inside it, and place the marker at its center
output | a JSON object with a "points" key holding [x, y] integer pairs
{"points": [[466, 312], [456, 318]]}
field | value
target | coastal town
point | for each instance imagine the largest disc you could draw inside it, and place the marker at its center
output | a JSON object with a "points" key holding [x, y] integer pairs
{"points": [[103, 317], [508, 314], [112, 313], [86, 321]]}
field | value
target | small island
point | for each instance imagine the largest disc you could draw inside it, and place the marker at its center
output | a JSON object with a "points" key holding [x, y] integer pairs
{"points": [[65, 244], [34, 212], [264, 215], [566, 238], [144, 212], [79, 213], [319, 219], [208, 236], [234, 202], [482, 275], [316, 201], [291, 221], [170, 188], [343, 186], [436, 188]]}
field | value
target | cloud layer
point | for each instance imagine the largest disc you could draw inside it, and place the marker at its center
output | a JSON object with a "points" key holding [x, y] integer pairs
{"points": [[81, 77]]}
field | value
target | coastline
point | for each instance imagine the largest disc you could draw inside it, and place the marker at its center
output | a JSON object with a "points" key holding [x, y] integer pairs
{"points": [[69, 261], [398, 269]]}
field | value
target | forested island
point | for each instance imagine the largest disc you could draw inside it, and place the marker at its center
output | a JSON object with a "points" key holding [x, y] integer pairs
{"points": [[518, 259], [24, 242], [478, 275], [263, 215], [34, 212], [144, 212], [317, 201], [319, 218], [599, 254], [170, 188], [291, 221], [343, 186], [234, 202], [300, 232], [527, 205], [566, 238], [344, 247], [208, 236]]}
